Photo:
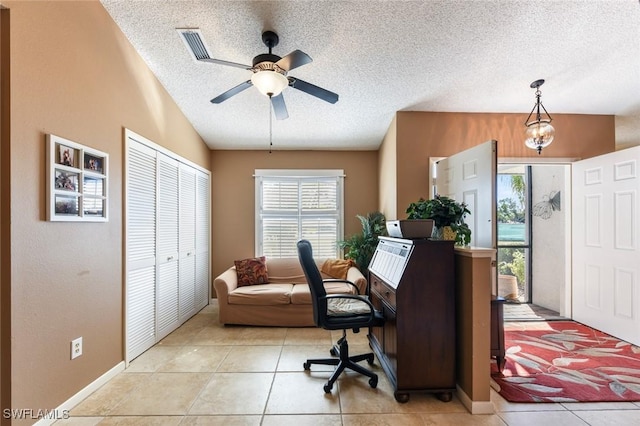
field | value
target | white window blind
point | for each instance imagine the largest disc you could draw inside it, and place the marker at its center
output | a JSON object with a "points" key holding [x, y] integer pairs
{"points": [[296, 204]]}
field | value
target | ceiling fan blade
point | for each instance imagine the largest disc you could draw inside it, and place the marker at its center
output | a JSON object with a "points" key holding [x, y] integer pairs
{"points": [[231, 92], [279, 108], [195, 45], [295, 59], [227, 63], [313, 90]]}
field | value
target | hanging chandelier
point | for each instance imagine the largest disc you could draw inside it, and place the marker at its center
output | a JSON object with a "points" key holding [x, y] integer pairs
{"points": [[539, 131]]}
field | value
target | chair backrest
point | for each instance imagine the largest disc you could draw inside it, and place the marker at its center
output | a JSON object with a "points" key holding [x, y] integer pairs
{"points": [[314, 279]]}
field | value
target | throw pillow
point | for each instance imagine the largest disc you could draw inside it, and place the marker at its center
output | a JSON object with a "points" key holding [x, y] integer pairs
{"points": [[252, 271], [337, 268]]}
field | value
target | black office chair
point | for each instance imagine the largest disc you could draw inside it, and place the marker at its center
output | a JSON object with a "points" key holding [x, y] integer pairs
{"points": [[338, 312]]}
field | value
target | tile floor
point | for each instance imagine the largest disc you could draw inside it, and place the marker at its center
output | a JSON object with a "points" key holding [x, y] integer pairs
{"points": [[207, 374]]}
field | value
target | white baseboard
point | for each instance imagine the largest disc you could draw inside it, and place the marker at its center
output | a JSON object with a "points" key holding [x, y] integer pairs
{"points": [[474, 407], [76, 399]]}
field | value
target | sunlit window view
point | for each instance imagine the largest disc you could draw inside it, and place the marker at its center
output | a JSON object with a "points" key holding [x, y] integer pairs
{"points": [[513, 234]]}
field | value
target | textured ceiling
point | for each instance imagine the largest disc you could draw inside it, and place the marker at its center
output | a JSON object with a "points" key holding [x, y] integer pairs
{"points": [[388, 56]]}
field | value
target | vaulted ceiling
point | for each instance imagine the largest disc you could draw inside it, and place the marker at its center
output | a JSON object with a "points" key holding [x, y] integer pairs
{"points": [[388, 56]]}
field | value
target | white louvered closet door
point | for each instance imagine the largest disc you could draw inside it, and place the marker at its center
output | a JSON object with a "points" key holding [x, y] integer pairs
{"points": [[167, 243], [140, 249], [202, 239], [168, 316], [187, 241]]}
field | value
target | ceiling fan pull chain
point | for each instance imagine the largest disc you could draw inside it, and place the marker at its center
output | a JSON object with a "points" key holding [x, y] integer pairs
{"points": [[270, 124]]}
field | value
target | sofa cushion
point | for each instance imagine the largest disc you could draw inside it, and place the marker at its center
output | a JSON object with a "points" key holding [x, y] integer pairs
{"points": [[251, 271], [261, 294], [347, 307], [337, 268], [301, 294]]}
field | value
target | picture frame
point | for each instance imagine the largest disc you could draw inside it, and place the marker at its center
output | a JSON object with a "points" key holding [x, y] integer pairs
{"points": [[66, 180], [66, 205], [77, 181]]}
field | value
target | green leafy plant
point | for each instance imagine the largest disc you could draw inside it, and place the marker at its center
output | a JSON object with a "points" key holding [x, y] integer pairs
{"points": [[360, 247], [444, 211], [515, 266]]}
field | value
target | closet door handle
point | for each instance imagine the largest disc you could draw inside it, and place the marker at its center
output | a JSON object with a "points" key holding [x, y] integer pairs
{"points": [[169, 257]]}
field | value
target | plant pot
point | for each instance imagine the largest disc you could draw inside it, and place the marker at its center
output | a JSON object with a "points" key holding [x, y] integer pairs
{"points": [[443, 233], [508, 287]]}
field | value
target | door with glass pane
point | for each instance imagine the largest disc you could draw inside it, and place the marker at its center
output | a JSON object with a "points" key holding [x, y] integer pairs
{"points": [[514, 233]]}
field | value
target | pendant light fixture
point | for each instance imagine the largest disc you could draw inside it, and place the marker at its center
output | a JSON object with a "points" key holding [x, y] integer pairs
{"points": [[539, 131]]}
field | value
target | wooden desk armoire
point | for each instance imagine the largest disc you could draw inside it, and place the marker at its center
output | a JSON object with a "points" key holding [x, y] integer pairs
{"points": [[413, 283]]}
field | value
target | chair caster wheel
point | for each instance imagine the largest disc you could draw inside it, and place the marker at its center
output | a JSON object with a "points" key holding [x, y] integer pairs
{"points": [[306, 366], [373, 382], [370, 360], [327, 388]]}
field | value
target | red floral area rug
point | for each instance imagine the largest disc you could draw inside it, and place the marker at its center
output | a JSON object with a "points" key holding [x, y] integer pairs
{"points": [[565, 361]]}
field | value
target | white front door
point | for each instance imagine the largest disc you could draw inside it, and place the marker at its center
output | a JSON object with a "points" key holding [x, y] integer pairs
{"points": [[606, 257], [470, 176]]}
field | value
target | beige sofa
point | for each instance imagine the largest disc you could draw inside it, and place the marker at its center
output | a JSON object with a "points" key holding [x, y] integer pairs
{"points": [[284, 301]]}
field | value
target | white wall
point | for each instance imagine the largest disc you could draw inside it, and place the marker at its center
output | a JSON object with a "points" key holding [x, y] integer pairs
{"points": [[549, 237]]}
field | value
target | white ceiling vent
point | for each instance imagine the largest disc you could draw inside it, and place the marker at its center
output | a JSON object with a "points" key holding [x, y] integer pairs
{"points": [[194, 43]]}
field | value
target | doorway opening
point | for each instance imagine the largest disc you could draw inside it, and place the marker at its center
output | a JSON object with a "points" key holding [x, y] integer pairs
{"points": [[533, 240]]}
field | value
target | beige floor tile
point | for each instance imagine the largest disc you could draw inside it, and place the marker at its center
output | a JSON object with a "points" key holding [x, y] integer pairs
{"points": [[196, 359], [592, 406], [246, 359], [234, 393], [163, 394], [142, 421], [538, 418], [202, 320], [502, 405], [182, 336], [262, 336], [382, 420], [301, 393], [152, 359], [292, 358], [100, 402], [308, 336], [211, 308], [217, 335], [462, 419], [610, 417], [79, 421], [357, 397], [221, 421], [302, 420]]}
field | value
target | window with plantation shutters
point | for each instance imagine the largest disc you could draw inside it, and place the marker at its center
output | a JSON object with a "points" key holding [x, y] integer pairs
{"points": [[296, 204]]}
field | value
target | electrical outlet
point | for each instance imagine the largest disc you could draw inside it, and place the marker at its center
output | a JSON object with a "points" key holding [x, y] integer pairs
{"points": [[76, 348]]}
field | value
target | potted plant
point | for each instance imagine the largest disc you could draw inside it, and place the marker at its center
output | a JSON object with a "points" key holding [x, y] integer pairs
{"points": [[445, 212], [360, 247]]}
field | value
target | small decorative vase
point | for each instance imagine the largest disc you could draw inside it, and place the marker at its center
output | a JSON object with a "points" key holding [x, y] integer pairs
{"points": [[443, 233]]}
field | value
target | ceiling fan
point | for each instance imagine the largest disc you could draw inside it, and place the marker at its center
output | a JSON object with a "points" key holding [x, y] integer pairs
{"points": [[269, 71]]}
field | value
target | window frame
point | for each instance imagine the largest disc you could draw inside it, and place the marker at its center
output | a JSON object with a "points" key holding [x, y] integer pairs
{"points": [[300, 174]]}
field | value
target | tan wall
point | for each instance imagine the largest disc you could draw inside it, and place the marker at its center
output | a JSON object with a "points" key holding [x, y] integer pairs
{"points": [[421, 135], [74, 74], [233, 193], [387, 170]]}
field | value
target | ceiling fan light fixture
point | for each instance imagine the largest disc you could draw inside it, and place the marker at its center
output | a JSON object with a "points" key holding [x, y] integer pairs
{"points": [[269, 83], [540, 132]]}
